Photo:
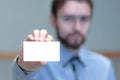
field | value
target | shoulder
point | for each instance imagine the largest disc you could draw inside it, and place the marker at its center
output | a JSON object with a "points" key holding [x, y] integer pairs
{"points": [[97, 58]]}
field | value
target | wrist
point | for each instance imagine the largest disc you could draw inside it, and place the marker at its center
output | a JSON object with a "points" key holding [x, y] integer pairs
{"points": [[20, 65]]}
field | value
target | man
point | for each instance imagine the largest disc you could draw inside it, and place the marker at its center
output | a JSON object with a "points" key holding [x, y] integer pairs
{"points": [[71, 19]]}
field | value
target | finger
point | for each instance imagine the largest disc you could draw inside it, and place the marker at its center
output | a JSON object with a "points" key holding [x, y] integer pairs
{"points": [[43, 63], [49, 38], [43, 34], [29, 38], [36, 35]]}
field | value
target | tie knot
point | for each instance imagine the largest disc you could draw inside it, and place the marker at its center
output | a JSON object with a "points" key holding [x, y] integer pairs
{"points": [[75, 58], [72, 60]]}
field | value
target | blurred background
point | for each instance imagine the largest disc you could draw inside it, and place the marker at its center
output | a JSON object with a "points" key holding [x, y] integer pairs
{"points": [[18, 18]]}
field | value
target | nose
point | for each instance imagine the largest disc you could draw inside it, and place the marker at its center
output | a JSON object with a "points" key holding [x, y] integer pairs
{"points": [[77, 25]]}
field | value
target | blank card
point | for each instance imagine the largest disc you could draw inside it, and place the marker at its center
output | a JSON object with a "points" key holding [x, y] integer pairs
{"points": [[41, 51]]}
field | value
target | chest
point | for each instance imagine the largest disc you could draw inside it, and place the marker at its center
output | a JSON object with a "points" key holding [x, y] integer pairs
{"points": [[57, 72]]}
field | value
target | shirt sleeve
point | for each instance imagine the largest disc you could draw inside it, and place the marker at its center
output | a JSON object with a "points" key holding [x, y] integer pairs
{"points": [[111, 73], [19, 74]]}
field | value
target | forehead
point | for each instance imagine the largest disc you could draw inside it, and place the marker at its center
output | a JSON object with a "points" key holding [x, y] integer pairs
{"points": [[75, 8]]}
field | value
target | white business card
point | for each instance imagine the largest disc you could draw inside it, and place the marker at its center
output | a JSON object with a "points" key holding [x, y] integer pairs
{"points": [[41, 51]]}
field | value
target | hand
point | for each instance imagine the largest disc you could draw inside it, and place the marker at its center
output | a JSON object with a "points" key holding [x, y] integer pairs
{"points": [[39, 36]]}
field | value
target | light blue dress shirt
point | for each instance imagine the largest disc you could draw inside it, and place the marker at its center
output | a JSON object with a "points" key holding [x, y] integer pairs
{"points": [[92, 66]]}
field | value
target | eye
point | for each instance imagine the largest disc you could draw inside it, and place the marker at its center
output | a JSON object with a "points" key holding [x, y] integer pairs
{"points": [[84, 19], [68, 19]]}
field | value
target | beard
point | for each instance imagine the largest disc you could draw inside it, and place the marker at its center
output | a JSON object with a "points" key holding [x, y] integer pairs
{"points": [[72, 40]]}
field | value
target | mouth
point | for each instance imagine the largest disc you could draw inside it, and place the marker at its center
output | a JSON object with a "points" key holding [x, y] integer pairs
{"points": [[75, 36]]}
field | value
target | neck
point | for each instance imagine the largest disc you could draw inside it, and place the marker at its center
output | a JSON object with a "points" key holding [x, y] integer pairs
{"points": [[74, 51]]}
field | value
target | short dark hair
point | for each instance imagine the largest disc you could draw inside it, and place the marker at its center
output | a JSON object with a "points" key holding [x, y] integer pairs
{"points": [[57, 4]]}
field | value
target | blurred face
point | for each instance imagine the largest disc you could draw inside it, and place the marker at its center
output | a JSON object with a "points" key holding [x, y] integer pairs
{"points": [[72, 23]]}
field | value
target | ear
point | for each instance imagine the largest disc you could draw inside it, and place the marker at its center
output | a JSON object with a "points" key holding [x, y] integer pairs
{"points": [[53, 20]]}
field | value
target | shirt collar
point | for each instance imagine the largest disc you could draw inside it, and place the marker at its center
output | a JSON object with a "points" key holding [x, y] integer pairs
{"points": [[66, 55]]}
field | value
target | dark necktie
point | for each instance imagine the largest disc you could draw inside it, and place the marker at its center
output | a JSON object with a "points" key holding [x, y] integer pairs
{"points": [[73, 60]]}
